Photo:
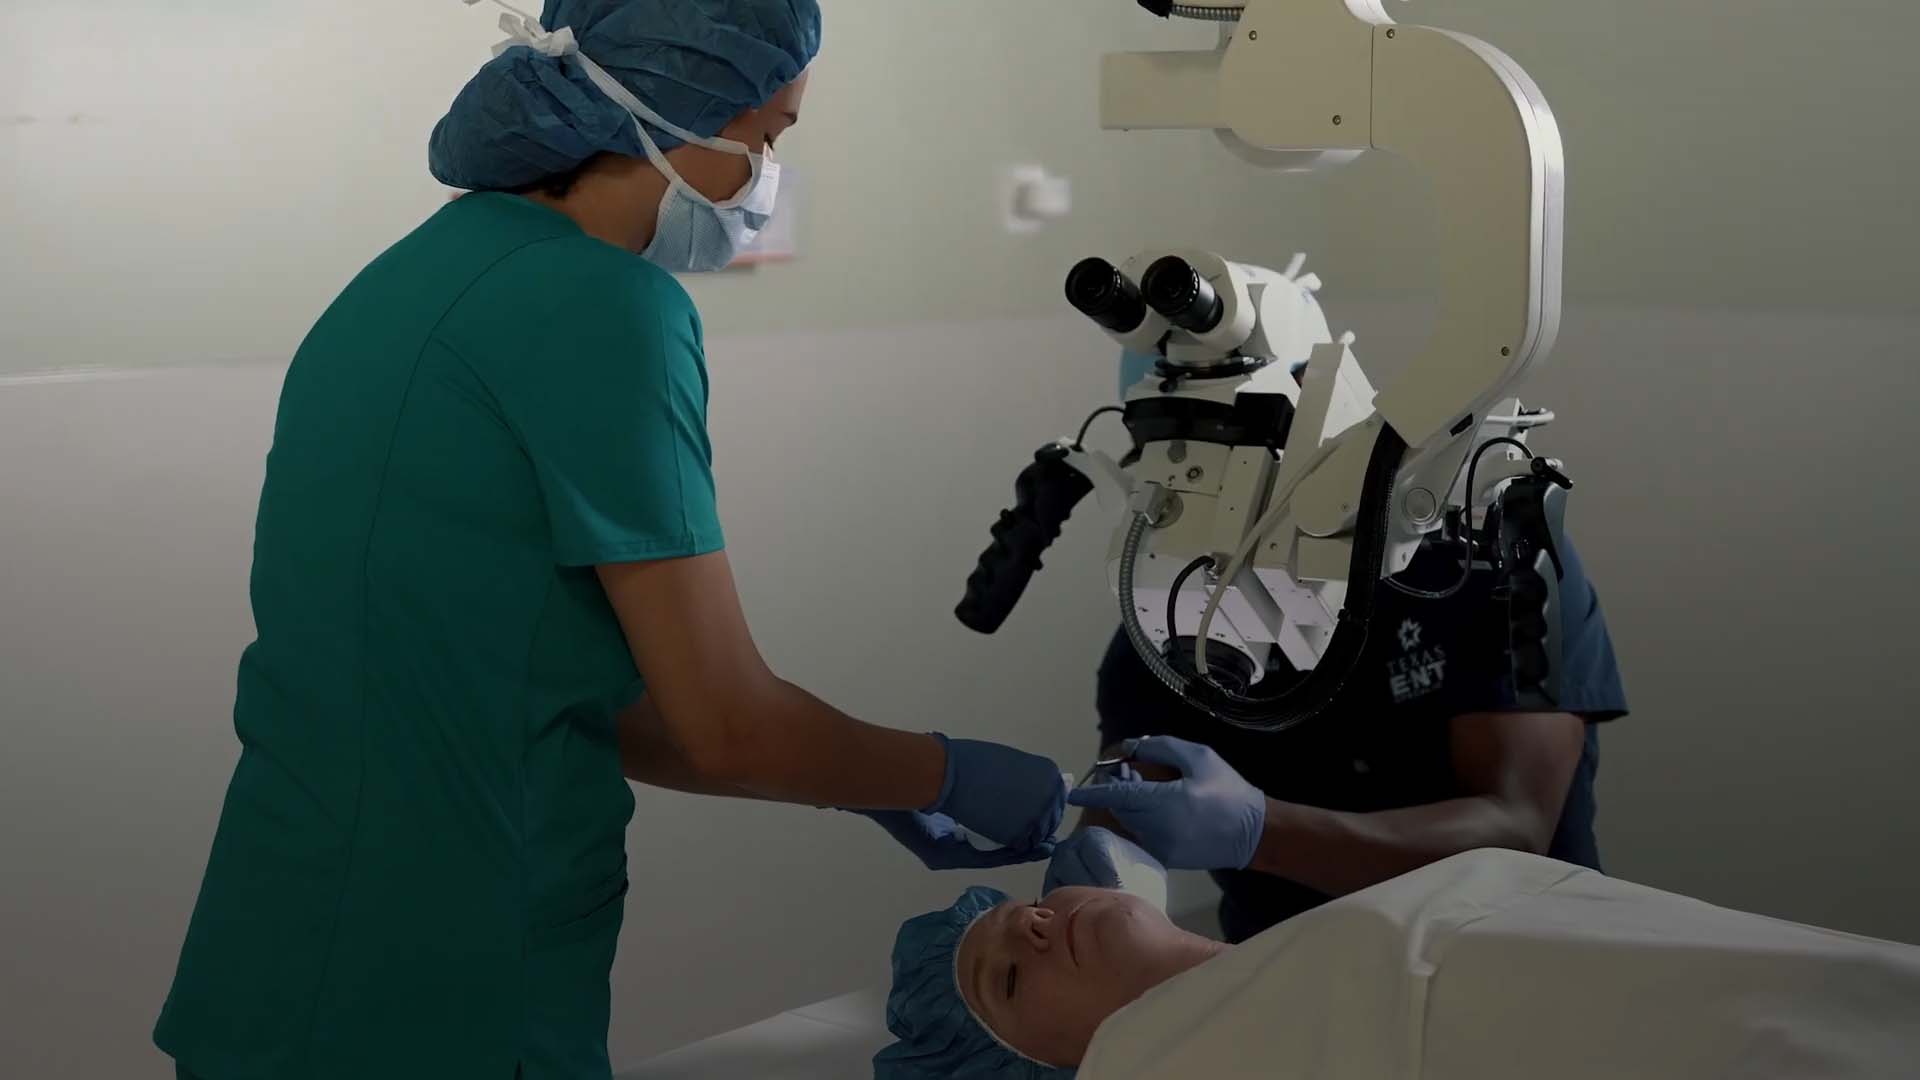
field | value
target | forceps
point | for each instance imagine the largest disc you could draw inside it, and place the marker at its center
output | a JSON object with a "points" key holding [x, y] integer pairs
{"points": [[1107, 768]]}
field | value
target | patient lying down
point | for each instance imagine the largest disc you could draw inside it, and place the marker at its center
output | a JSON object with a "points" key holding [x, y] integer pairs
{"points": [[993, 988], [1486, 965]]}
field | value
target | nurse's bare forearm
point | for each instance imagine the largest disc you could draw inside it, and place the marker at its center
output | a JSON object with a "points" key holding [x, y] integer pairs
{"points": [[785, 744], [1339, 853], [651, 755], [648, 755], [768, 739]]}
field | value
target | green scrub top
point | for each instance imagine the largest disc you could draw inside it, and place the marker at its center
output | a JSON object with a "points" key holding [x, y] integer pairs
{"points": [[419, 869]]}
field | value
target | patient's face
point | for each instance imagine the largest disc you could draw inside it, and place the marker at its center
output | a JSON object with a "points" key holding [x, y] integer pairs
{"points": [[1045, 976]]}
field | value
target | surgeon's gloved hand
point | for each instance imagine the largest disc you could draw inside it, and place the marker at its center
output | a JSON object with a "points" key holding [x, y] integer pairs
{"points": [[1209, 819], [1103, 859], [942, 845], [1008, 796]]}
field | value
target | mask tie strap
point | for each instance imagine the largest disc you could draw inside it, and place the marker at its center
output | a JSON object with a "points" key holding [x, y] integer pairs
{"points": [[523, 29]]}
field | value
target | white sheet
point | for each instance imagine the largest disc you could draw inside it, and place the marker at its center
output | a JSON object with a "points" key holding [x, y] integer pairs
{"points": [[834, 1040], [1495, 964]]}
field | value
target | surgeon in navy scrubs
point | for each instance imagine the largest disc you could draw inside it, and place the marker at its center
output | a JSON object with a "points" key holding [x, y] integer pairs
{"points": [[1429, 750]]}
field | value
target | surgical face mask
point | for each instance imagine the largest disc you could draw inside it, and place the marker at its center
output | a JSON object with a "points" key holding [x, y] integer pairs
{"points": [[693, 233], [696, 234]]}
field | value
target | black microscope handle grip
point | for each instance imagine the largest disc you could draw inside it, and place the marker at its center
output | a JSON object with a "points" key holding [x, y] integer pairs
{"points": [[1044, 497]]}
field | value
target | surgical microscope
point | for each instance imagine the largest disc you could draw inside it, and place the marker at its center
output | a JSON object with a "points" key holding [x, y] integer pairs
{"points": [[1271, 493]]}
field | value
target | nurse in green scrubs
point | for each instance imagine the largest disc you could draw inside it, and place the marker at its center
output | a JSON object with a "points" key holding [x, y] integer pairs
{"points": [[490, 587]]}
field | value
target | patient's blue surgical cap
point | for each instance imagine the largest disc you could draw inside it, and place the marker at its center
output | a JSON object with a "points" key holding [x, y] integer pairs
{"points": [[698, 63], [939, 1037]]}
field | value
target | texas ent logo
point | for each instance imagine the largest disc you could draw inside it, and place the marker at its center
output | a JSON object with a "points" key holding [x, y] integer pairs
{"points": [[1418, 671]]}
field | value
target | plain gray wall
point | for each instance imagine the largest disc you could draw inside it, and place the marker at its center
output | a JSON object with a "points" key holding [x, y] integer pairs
{"points": [[1759, 154], [207, 199]]}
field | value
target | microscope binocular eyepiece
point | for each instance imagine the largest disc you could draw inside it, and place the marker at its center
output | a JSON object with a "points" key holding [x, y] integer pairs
{"points": [[1097, 289], [1177, 291]]}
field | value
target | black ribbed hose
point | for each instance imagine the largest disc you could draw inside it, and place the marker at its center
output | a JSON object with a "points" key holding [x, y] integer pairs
{"points": [[1310, 695]]}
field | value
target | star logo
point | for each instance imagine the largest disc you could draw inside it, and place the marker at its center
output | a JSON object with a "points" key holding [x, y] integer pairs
{"points": [[1409, 636]]}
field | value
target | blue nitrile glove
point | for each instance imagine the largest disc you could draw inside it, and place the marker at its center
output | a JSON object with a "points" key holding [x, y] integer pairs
{"points": [[1103, 859], [1209, 819], [942, 845], [1008, 796]]}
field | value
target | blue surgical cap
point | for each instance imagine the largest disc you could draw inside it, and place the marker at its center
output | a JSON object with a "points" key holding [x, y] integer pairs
{"points": [[939, 1037], [698, 63]]}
